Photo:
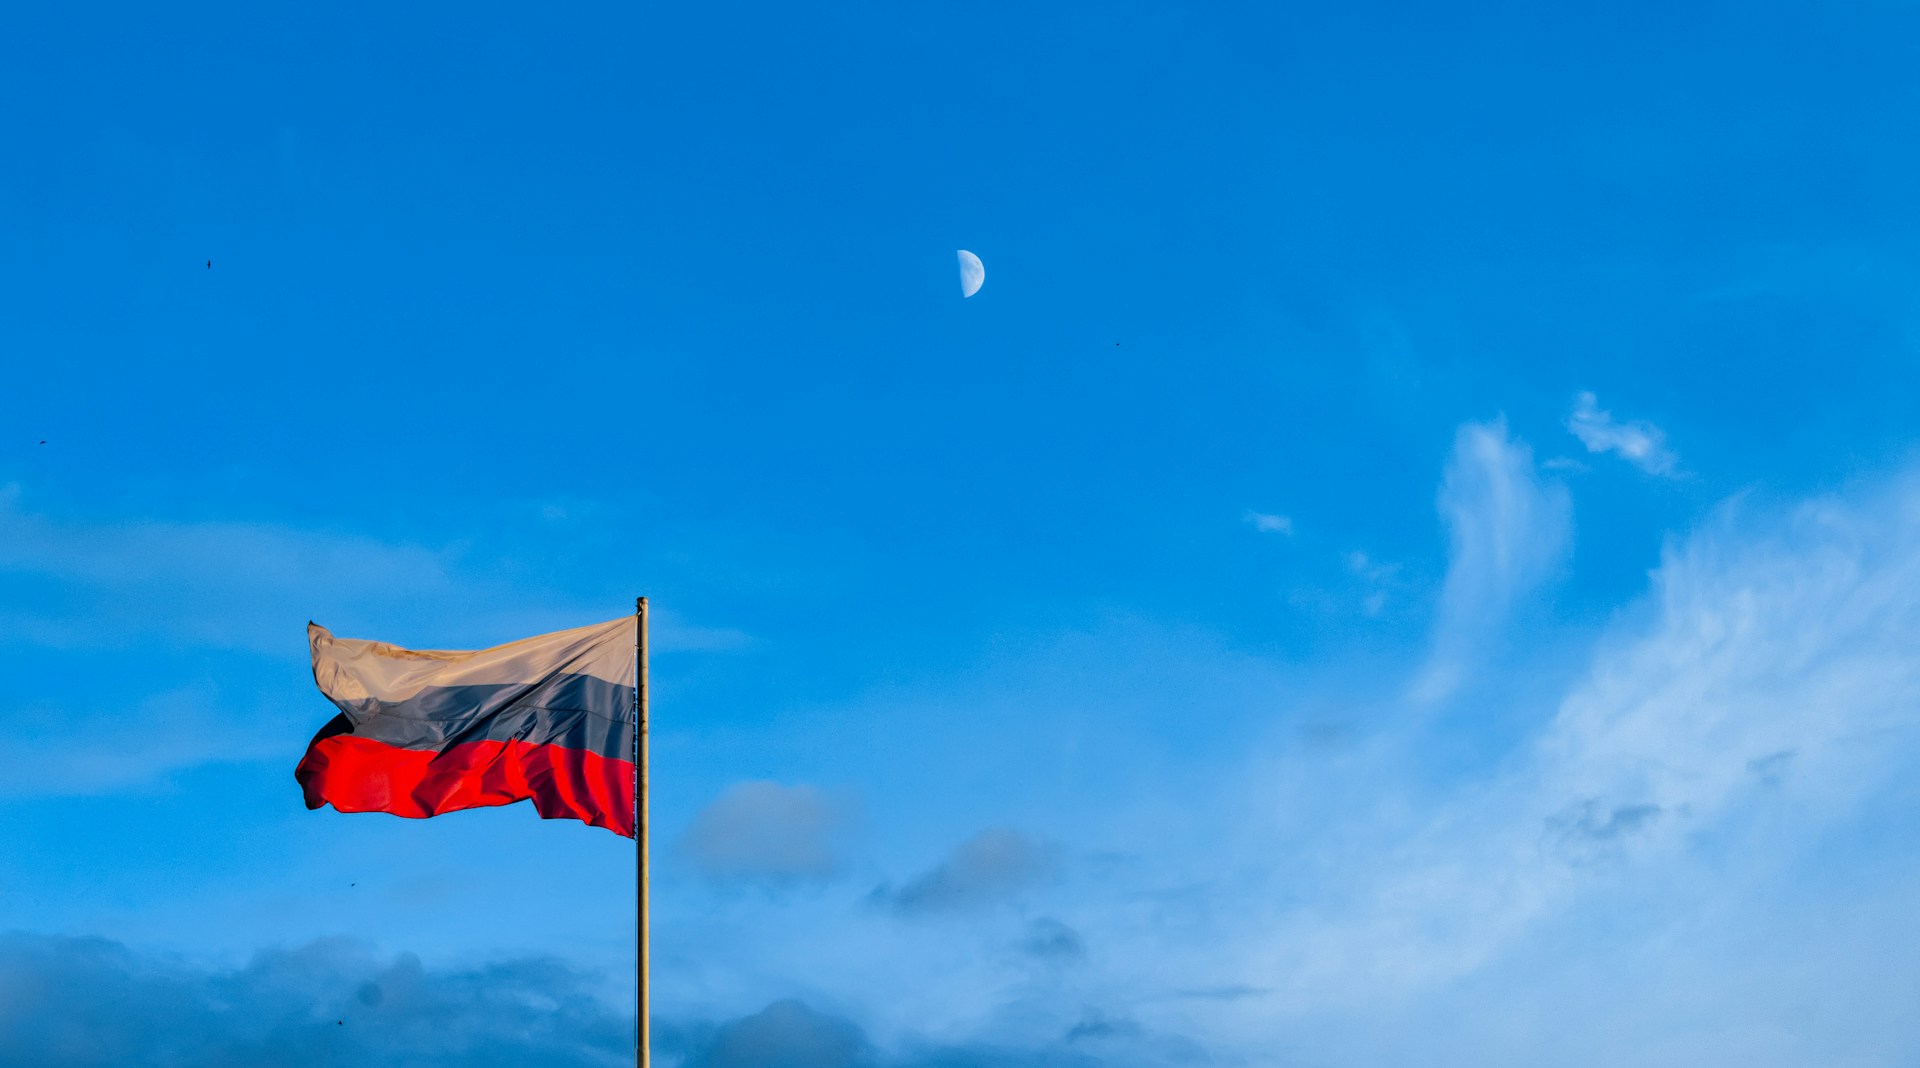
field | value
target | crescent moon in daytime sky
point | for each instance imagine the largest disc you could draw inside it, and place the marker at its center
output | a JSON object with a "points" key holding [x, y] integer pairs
{"points": [[973, 273]]}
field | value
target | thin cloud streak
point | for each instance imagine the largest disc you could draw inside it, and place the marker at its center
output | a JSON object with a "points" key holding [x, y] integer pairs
{"points": [[252, 586], [1508, 530], [47, 751]]}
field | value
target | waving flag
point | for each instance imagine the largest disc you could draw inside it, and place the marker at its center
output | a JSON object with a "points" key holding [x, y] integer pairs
{"points": [[548, 719]]}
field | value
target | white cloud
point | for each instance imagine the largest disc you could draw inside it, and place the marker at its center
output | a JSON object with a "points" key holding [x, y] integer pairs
{"points": [[1269, 524], [1641, 444], [1794, 659], [1764, 694], [1508, 531]]}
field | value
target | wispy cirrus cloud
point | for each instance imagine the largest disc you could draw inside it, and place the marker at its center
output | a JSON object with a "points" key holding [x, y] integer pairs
{"points": [[1766, 689], [1507, 531], [1640, 444], [76, 583]]}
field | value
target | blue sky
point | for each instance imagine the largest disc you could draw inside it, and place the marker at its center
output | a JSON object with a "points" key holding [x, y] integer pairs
{"points": [[1410, 558]]}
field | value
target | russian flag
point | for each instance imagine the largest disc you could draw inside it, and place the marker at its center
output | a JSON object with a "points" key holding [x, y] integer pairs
{"points": [[548, 719]]}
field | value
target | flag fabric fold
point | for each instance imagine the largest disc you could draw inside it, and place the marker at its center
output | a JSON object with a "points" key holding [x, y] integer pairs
{"points": [[548, 719]]}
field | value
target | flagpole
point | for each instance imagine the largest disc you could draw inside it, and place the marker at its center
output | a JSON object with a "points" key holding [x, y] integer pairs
{"points": [[643, 1026]]}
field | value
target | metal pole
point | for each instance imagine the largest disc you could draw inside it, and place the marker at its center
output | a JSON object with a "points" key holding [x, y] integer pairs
{"points": [[643, 1026]]}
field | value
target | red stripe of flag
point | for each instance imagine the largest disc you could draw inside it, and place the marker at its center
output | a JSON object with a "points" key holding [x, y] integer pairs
{"points": [[360, 775]]}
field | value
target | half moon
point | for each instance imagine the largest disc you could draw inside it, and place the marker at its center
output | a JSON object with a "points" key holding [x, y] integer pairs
{"points": [[973, 273]]}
